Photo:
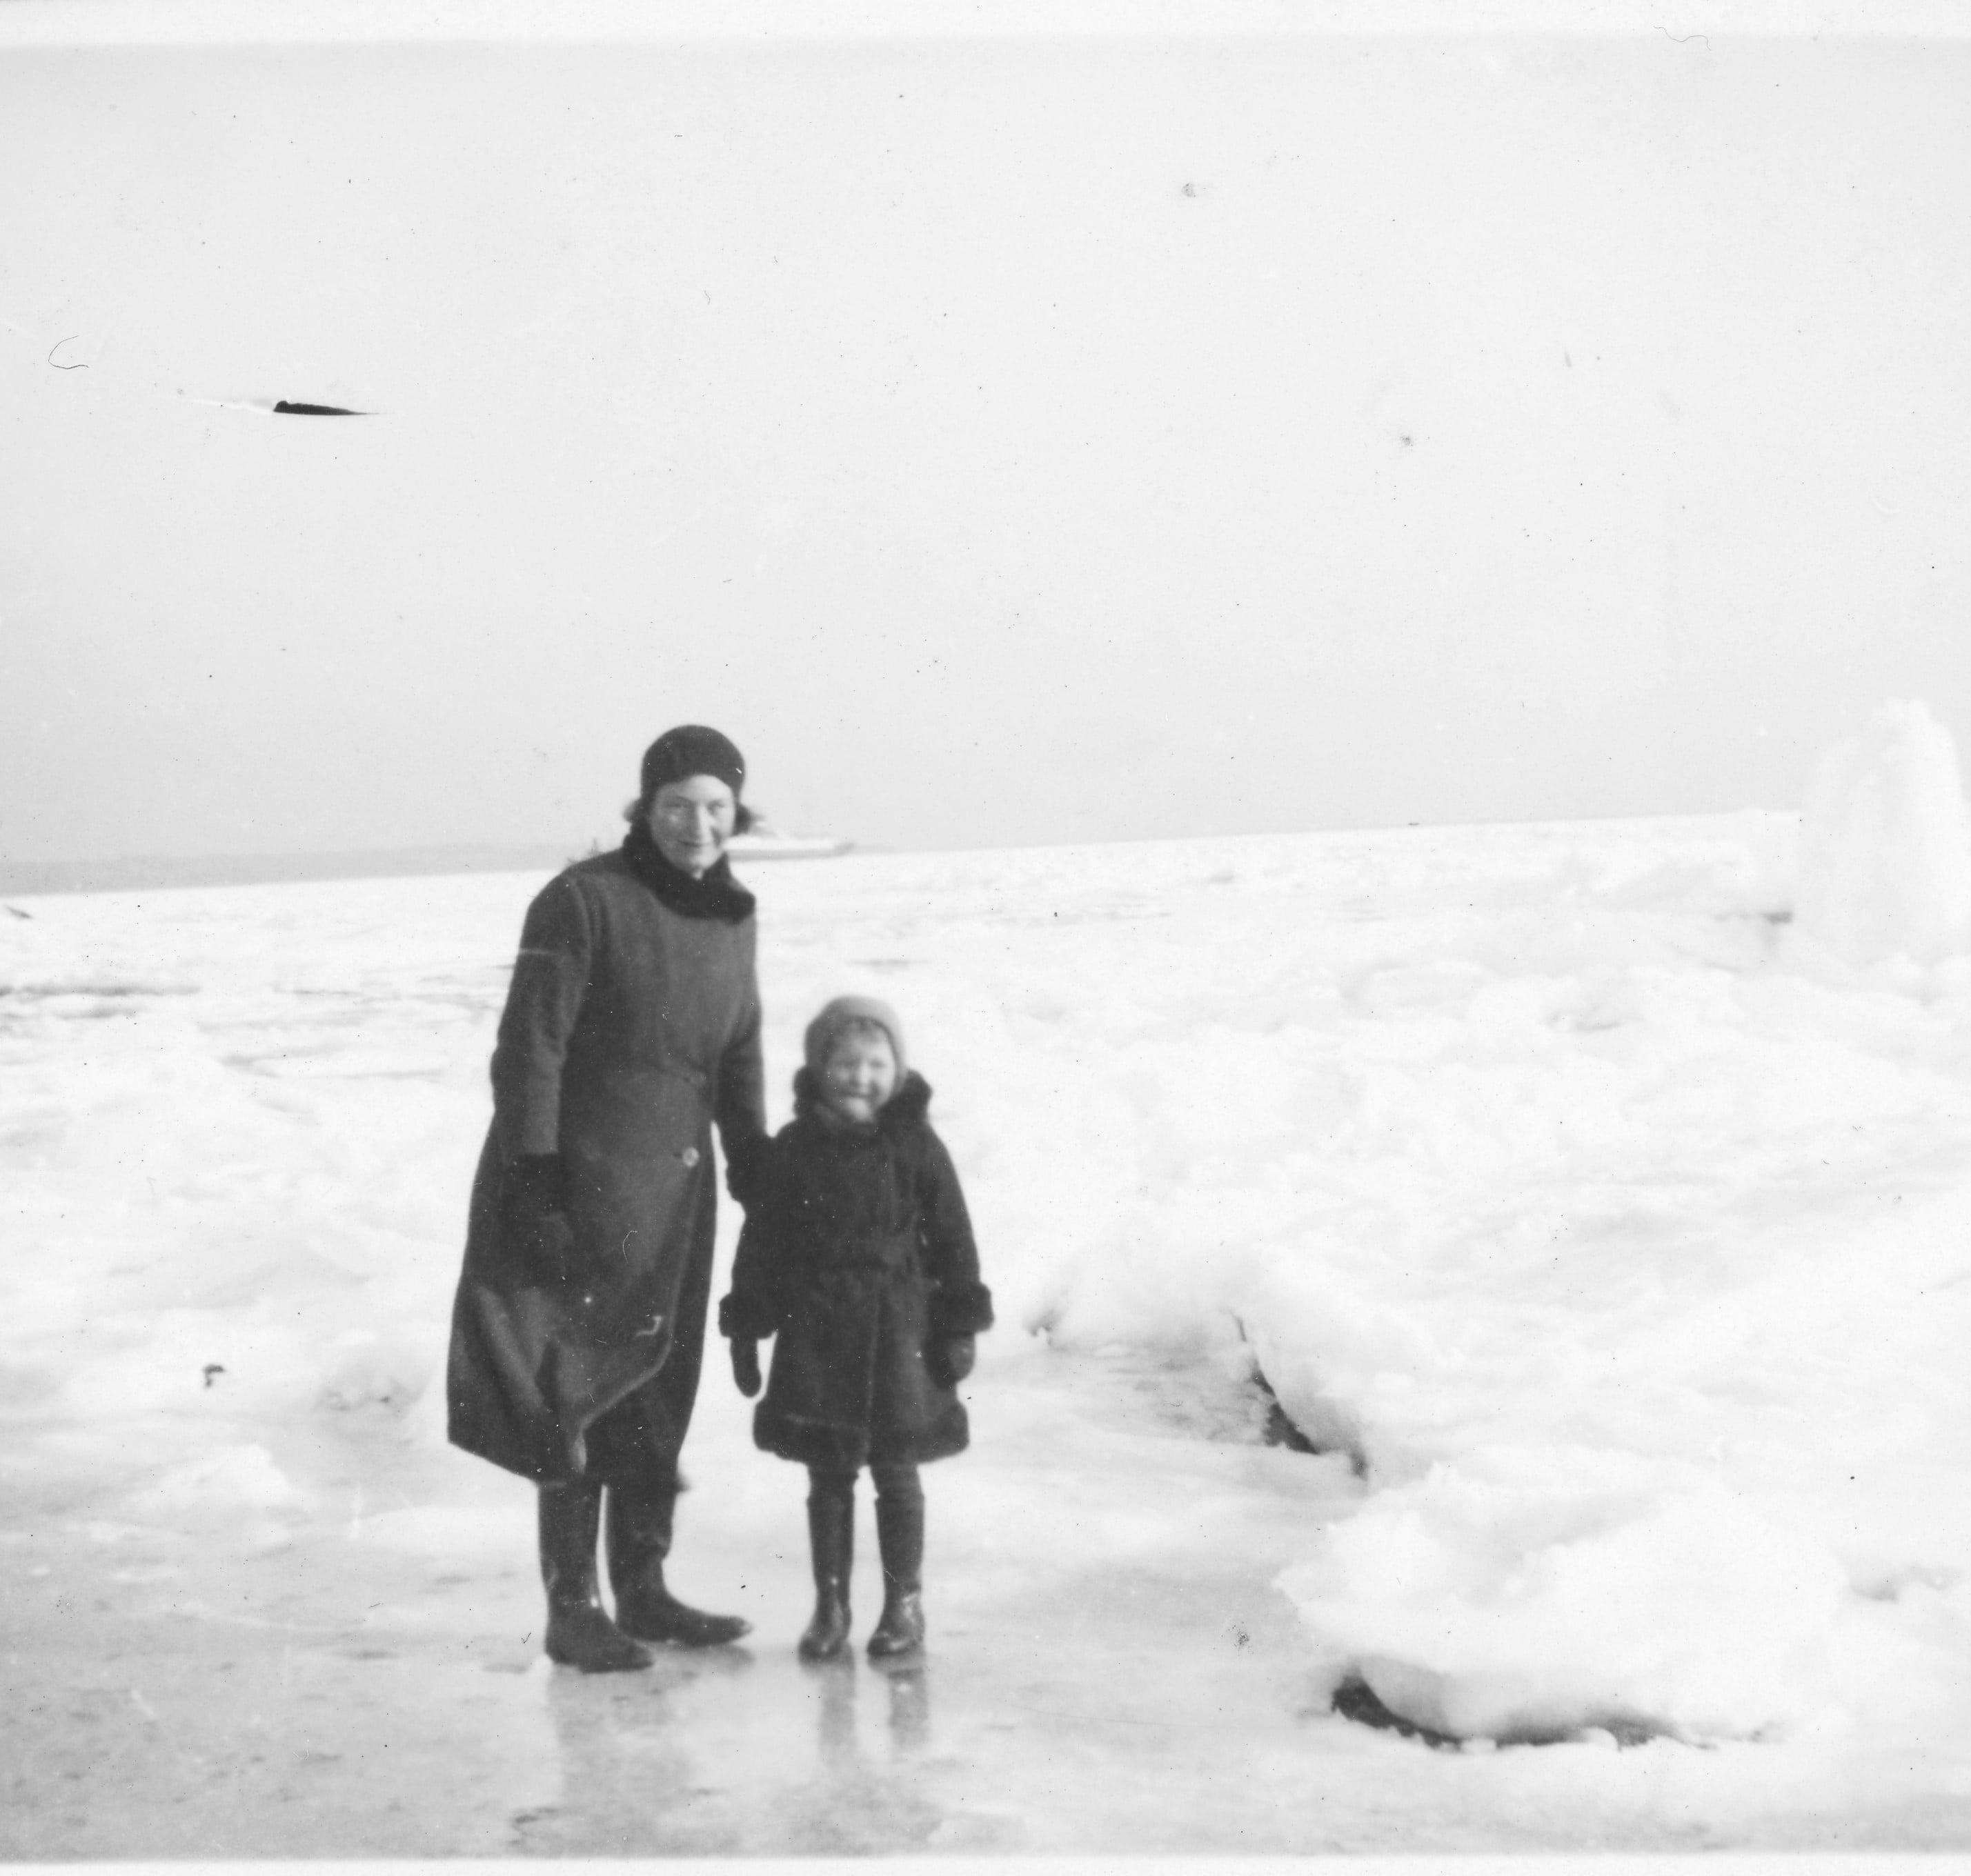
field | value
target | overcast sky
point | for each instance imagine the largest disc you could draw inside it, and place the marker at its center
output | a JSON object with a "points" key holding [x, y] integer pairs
{"points": [[1006, 441]]}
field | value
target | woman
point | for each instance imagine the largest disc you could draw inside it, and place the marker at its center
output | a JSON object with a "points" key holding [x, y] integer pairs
{"points": [[633, 1022]]}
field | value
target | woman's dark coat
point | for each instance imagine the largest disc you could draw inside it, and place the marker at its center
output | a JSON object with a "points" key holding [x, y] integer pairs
{"points": [[856, 1252], [632, 1023]]}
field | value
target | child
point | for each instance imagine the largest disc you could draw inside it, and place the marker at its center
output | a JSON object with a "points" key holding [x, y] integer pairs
{"points": [[857, 1253]]}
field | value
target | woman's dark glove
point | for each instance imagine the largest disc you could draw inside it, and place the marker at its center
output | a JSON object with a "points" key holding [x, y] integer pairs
{"points": [[950, 1357], [746, 1366], [537, 1208]]}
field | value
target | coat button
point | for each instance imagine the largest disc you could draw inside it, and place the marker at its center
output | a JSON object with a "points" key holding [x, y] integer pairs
{"points": [[690, 1156]]}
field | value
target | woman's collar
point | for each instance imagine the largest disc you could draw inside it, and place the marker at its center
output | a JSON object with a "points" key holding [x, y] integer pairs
{"points": [[713, 894]]}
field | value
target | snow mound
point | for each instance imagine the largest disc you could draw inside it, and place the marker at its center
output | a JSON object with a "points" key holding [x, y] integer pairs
{"points": [[1517, 1598], [237, 1476], [1885, 866]]}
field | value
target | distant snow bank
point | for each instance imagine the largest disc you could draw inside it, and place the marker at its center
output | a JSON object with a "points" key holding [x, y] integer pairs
{"points": [[767, 843]]}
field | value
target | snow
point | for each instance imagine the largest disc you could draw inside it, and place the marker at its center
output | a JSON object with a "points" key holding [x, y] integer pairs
{"points": [[1612, 1231]]}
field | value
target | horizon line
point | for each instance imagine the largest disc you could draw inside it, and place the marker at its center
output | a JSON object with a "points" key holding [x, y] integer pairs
{"points": [[140, 872]]}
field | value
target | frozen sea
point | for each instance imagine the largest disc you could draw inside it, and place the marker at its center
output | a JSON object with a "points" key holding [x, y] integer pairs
{"points": [[1607, 1233]]}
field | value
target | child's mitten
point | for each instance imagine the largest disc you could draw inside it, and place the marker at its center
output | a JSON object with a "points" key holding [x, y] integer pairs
{"points": [[746, 1366], [950, 1357]]}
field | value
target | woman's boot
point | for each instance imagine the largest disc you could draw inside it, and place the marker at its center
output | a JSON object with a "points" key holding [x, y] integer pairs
{"points": [[580, 1634], [900, 1534], [831, 1536], [639, 1540]]}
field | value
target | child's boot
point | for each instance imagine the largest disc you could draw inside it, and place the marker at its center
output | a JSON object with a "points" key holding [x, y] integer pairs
{"points": [[900, 1535], [580, 1634], [831, 1532]]}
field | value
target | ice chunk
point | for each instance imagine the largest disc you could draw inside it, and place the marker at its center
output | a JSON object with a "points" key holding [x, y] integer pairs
{"points": [[1883, 864], [233, 1475], [365, 1369], [1481, 1602]]}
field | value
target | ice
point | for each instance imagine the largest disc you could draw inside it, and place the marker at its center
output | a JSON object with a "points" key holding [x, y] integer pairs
{"points": [[1611, 1232], [1884, 863], [1593, 1184]]}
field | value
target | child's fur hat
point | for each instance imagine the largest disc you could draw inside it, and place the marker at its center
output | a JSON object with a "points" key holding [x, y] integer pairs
{"points": [[839, 1015]]}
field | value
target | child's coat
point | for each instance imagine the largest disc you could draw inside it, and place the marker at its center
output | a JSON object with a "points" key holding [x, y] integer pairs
{"points": [[856, 1252]]}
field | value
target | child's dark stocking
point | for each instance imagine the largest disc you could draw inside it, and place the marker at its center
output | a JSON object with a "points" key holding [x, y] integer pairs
{"points": [[831, 1533], [900, 1536]]}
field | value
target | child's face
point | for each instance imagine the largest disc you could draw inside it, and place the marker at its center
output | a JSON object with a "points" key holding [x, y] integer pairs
{"points": [[859, 1075]]}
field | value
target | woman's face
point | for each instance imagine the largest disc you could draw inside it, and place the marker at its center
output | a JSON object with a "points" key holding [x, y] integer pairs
{"points": [[691, 820]]}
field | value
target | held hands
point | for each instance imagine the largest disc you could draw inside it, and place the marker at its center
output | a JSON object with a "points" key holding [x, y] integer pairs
{"points": [[742, 1162], [746, 1366], [950, 1358]]}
